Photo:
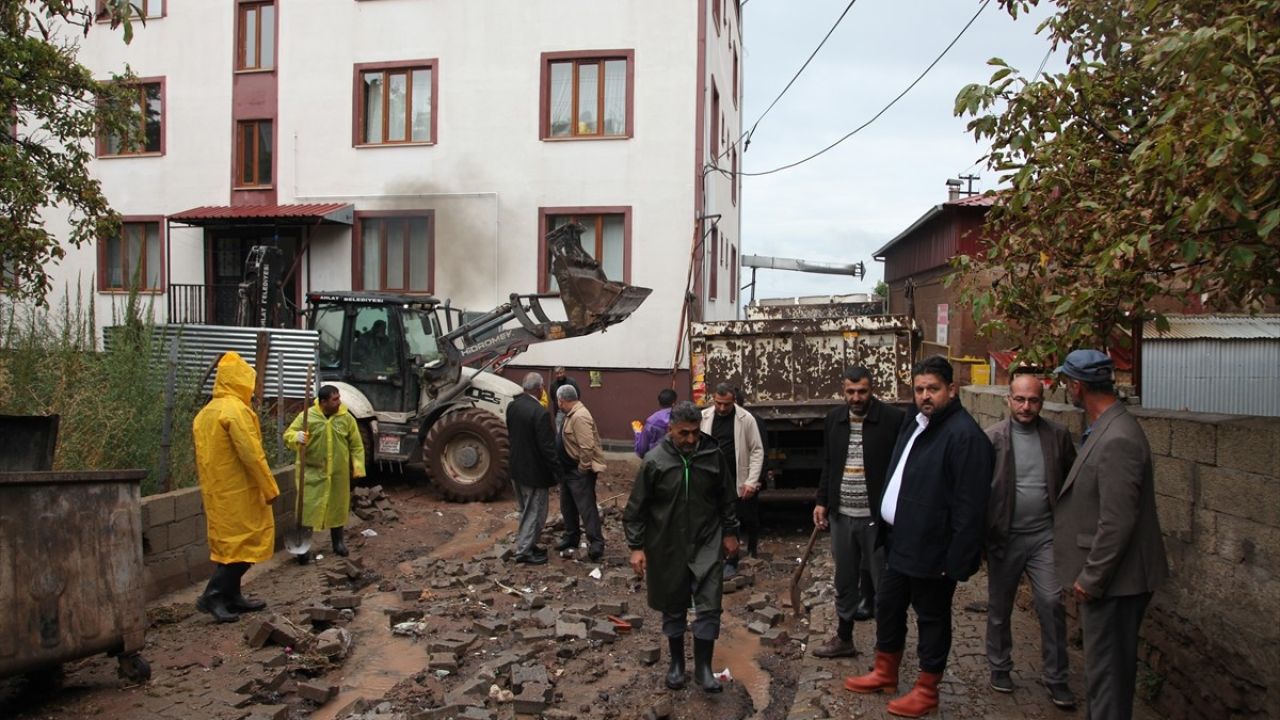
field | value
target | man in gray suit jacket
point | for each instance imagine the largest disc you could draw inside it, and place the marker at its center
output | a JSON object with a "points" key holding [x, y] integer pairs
{"points": [[1107, 543]]}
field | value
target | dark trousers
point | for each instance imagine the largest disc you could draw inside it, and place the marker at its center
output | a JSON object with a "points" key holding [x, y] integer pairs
{"points": [[578, 506], [704, 596], [1110, 628], [931, 599], [749, 524], [853, 548]]}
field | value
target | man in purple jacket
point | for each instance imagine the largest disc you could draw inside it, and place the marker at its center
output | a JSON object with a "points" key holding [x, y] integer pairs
{"points": [[655, 428]]}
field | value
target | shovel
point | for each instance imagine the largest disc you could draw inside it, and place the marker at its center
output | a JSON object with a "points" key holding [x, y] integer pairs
{"points": [[797, 604], [297, 539]]}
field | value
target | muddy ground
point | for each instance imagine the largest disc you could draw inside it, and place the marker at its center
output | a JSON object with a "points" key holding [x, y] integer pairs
{"points": [[485, 633]]}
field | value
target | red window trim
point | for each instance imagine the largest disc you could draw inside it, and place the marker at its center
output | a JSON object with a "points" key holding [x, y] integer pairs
{"points": [[357, 248], [544, 95], [100, 146], [716, 14], [102, 257], [735, 74], [239, 37], [715, 120], [237, 180], [357, 108], [733, 178], [624, 210]]}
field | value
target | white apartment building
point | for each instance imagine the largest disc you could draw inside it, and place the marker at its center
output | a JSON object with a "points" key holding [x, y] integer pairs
{"points": [[427, 147]]}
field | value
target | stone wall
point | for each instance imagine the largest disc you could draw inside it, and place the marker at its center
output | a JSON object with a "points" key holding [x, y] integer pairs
{"points": [[1212, 635], [175, 548]]}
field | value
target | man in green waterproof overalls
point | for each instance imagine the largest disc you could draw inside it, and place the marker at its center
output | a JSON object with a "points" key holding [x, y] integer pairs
{"points": [[681, 524], [333, 456]]}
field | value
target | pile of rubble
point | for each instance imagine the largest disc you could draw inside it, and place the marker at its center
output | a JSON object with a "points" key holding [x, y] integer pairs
{"points": [[370, 504]]}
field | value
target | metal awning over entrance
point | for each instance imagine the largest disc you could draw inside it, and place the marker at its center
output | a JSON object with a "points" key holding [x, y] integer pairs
{"points": [[226, 215]]}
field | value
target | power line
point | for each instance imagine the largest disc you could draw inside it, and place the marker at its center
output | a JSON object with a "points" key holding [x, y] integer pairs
{"points": [[746, 136], [795, 77], [883, 110]]}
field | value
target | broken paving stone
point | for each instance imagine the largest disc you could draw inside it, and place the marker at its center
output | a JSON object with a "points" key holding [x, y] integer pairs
{"points": [[349, 602], [533, 699], [617, 607], [477, 713], [757, 601], [546, 617], [323, 614], [775, 637], [532, 635], [650, 654], [569, 630], [769, 615], [443, 661], [442, 583], [334, 643], [604, 631], [635, 621], [444, 712], [318, 693], [258, 633], [584, 609], [730, 587], [277, 681], [486, 626], [473, 687], [758, 627], [558, 714], [357, 705], [411, 595], [532, 601], [397, 616], [522, 675]]}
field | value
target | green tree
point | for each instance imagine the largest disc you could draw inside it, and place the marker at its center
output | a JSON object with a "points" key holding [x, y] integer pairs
{"points": [[1143, 172], [882, 289], [58, 109]]}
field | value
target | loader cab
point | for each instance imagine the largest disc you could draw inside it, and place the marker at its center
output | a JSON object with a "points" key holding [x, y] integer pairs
{"points": [[373, 341]]}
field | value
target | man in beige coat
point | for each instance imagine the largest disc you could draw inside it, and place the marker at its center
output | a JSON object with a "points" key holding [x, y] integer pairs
{"points": [[582, 460], [736, 432], [1107, 543]]}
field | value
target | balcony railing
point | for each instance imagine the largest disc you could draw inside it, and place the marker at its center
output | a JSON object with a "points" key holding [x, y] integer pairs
{"points": [[202, 304]]}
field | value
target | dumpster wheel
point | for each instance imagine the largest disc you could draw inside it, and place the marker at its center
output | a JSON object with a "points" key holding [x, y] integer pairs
{"points": [[134, 668]]}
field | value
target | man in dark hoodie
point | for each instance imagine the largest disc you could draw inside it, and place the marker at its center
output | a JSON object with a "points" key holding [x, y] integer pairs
{"points": [[681, 524]]}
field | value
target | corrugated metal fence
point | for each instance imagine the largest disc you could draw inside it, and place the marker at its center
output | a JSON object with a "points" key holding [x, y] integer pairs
{"points": [[289, 354], [1230, 376]]}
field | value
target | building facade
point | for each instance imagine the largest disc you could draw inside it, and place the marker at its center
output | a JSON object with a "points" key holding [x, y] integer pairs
{"points": [[428, 148]]}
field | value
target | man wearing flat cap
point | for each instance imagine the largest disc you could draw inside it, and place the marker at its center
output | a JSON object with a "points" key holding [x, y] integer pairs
{"points": [[1107, 544]]}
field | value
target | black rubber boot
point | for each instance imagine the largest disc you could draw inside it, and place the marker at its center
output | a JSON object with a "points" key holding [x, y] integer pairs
{"points": [[702, 673], [237, 602], [214, 599], [675, 671], [335, 538]]}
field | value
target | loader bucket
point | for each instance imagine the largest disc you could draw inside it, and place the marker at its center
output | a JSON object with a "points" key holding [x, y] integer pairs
{"points": [[591, 300]]}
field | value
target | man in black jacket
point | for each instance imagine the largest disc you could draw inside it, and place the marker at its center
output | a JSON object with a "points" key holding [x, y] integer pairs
{"points": [[534, 466], [859, 438], [933, 508]]}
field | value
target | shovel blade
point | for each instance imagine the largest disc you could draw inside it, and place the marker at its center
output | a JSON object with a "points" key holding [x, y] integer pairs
{"points": [[298, 541]]}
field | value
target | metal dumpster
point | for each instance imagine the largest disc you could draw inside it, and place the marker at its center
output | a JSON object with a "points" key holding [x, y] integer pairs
{"points": [[71, 572]]}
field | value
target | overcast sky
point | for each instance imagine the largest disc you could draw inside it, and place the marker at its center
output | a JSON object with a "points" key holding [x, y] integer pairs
{"points": [[842, 206]]}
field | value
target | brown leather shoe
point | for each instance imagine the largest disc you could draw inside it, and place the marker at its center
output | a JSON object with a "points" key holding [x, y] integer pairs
{"points": [[834, 648]]}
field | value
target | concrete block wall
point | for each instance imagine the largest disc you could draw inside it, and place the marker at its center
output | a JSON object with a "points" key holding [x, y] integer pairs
{"points": [[175, 547], [1212, 635]]}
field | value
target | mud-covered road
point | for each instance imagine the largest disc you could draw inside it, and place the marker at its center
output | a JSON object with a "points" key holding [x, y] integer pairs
{"points": [[488, 638]]}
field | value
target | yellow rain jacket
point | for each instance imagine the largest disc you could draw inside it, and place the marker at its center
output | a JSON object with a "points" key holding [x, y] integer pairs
{"points": [[235, 481], [335, 455]]}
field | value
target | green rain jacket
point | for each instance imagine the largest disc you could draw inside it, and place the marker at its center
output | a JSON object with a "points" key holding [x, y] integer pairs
{"points": [[334, 456], [678, 513]]}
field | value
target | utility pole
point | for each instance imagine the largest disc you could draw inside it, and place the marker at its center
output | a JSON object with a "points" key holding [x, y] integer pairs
{"points": [[969, 179]]}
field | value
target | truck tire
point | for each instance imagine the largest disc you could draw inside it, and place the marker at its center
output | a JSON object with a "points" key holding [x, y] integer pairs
{"points": [[467, 455], [370, 465]]}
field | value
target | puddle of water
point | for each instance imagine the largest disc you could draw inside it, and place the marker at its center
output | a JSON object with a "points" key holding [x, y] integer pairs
{"points": [[378, 660], [737, 649]]}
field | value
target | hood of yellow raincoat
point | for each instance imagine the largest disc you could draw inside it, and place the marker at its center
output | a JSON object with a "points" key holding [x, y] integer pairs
{"points": [[235, 378]]}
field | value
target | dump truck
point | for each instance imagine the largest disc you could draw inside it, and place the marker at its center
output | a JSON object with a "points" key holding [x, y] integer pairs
{"points": [[418, 374], [787, 360]]}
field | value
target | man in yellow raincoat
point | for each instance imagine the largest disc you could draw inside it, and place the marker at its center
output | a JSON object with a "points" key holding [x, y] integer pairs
{"points": [[334, 455], [237, 488]]}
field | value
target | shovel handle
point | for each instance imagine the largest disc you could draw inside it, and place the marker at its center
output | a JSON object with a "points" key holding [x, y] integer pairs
{"points": [[297, 465], [797, 607]]}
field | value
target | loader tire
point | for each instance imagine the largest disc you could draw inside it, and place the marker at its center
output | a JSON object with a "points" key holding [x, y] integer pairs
{"points": [[467, 455], [371, 474]]}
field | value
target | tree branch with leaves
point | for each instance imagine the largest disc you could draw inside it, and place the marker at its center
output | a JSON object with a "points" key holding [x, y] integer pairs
{"points": [[1140, 178]]}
